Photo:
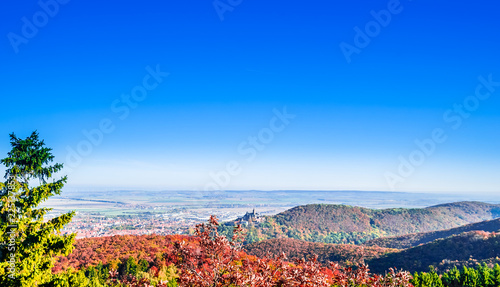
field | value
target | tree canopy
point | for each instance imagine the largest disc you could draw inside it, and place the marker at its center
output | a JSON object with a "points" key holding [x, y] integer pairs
{"points": [[30, 243]]}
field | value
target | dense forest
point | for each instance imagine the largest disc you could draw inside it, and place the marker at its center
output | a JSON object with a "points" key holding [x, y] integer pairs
{"points": [[480, 276], [344, 254], [465, 249], [112, 250], [469, 248], [415, 239]]}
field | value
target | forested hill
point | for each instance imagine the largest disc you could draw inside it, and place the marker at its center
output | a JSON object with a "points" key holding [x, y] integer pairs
{"points": [[469, 248], [415, 239], [347, 224], [345, 254]]}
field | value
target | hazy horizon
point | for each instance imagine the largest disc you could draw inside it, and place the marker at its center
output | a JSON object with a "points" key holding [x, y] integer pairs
{"points": [[76, 188]]}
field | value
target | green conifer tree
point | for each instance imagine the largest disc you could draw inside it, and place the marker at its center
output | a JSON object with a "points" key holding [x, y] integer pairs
{"points": [[496, 275], [30, 243], [452, 278]]}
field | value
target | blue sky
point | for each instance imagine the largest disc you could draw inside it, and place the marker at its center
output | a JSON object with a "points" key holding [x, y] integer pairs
{"points": [[353, 119]]}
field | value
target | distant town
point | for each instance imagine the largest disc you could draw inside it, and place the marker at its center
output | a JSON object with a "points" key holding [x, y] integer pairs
{"points": [[180, 222]]}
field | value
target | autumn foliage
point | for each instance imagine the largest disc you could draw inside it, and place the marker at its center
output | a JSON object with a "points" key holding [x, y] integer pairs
{"points": [[111, 250], [207, 259], [219, 261], [345, 254]]}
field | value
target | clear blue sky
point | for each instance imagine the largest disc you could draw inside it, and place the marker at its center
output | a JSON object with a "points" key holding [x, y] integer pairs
{"points": [[355, 121]]}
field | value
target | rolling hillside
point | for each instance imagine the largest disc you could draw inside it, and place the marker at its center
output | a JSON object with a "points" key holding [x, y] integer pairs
{"points": [[345, 254], [113, 249], [415, 239], [355, 225], [468, 248]]}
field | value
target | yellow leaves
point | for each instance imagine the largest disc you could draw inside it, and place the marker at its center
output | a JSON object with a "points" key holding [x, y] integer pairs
{"points": [[168, 273]]}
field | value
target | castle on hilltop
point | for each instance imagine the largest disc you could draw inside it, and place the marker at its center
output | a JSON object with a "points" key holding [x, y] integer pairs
{"points": [[250, 217]]}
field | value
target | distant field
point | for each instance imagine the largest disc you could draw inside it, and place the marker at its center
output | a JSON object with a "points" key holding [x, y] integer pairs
{"points": [[116, 202]]}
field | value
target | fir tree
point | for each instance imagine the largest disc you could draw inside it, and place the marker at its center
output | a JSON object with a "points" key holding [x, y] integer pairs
{"points": [[30, 242]]}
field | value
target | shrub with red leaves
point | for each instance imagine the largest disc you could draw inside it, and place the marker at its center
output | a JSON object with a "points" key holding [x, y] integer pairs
{"points": [[219, 261]]}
